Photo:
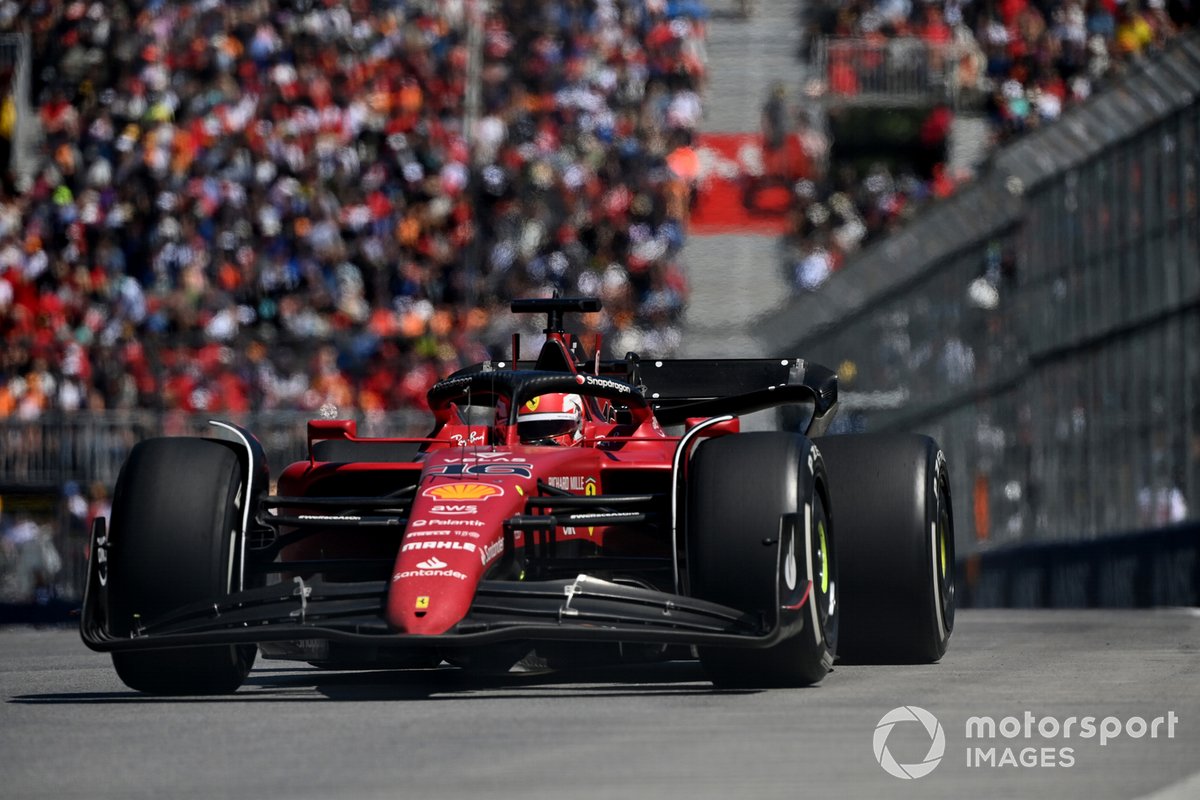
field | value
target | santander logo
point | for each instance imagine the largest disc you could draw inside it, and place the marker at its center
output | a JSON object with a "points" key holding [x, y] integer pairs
{"points": [[432, 563]]}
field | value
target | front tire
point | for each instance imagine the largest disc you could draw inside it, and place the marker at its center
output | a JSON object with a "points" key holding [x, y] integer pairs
{"points": [[759, 539], [174, 540], [896, 533]]}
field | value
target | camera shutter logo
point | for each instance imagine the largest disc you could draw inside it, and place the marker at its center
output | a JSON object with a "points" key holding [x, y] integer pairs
{"points": [[937, 742]]}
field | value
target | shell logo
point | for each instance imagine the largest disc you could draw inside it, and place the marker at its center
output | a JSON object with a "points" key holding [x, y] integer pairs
{"points": [[463, 491]]}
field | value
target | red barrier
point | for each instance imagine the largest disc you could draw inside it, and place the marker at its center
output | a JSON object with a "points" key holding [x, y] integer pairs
{"points": [[743, 189]]}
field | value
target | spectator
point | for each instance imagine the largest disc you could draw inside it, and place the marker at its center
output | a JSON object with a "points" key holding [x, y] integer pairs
{"points": [[1133, 34]]}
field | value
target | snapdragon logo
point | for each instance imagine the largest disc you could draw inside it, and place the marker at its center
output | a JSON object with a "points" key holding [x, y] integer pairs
{"points": [[937, 742]]}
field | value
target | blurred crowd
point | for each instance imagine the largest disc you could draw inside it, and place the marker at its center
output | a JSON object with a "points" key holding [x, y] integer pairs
{"points": [[276, 205], [1022, 61], [1031, 58]]}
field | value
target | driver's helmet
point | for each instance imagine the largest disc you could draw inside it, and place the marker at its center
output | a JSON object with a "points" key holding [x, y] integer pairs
{"points": [[551, 419]]}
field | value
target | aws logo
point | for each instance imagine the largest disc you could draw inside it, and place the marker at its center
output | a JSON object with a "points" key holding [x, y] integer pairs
{"points": [[463, 491]]}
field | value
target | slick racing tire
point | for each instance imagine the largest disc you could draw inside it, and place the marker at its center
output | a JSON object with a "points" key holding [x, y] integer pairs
{"points": [[759, 539], [896, 538], [174, 540]]}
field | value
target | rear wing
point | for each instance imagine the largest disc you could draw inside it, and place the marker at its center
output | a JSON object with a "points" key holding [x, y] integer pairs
{"points": [[681, 388], [678, 389]]}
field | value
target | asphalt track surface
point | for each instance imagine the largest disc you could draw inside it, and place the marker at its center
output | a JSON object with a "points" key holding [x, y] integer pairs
{"points": [[69, 729]]}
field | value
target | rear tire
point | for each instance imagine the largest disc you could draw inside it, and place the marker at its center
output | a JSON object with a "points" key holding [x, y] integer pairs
{"points": [[752, 547], [896, 534], [174, 540]]}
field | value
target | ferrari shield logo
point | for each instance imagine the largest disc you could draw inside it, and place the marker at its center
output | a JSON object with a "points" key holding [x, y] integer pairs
{"points": [[422, 602]]}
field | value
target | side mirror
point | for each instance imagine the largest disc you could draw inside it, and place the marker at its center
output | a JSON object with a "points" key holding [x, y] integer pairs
{"points": [[320, 429], [720, 429]]}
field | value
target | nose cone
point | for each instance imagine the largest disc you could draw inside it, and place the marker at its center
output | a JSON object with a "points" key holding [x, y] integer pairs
{"points": [[432, 591], [455, 531]]}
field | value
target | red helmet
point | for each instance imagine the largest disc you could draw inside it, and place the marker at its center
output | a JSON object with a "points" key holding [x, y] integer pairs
{"points": [[551, 419]]}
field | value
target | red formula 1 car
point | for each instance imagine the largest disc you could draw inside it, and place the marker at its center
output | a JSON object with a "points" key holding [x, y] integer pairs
{"points": [[560, 510]]}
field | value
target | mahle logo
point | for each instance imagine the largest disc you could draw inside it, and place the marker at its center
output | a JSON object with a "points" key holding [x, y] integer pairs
{"points": [[937, 742]]}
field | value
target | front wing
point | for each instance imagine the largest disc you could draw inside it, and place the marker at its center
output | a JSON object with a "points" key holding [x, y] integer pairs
{"points": [[582, 609]]}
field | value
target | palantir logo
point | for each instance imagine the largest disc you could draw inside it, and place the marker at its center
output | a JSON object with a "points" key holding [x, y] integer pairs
{"points": [[937, 742]]}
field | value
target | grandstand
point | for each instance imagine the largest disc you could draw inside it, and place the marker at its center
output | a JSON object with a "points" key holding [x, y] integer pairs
{"points": [[220, 185]]}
